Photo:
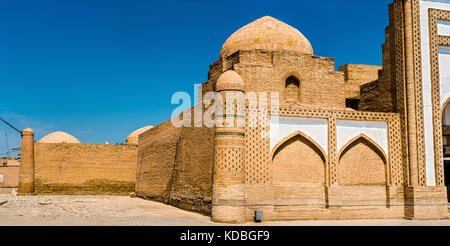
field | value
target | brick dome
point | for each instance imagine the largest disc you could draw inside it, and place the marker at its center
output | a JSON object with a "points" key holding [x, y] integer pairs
{"points": [[133, 138], [58, 137], [267, 33], [230, 80]]}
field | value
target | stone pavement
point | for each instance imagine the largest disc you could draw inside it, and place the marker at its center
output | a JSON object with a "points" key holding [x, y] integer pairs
{"points": [[122, 210]]}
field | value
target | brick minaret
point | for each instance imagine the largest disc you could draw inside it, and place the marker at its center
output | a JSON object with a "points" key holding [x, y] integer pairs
{"points": [[228, 198]]}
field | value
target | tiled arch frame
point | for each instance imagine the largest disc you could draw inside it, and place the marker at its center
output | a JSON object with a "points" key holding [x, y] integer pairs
{"points": [[417, 44], [372, 143], [400, 31], [378, 150], [283, 141], [258, 150], [435, 41], [398, 38]]}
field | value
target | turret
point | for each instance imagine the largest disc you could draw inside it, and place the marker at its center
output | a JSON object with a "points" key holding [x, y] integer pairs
{"points": [[26, 180], [228, 202]]}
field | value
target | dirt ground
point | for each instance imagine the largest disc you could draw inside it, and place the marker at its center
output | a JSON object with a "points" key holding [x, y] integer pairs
{"points": [[121, 210]]}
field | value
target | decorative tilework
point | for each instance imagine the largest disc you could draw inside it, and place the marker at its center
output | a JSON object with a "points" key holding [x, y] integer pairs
{"points": [[230, 159], [419, 91], [332, 148], [257, 150], [396, 174], [258, 167], [400, 82], [435, 40]]}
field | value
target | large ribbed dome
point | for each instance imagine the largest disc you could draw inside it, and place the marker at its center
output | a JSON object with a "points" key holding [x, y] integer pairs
{"points": [[58, 137], [267, 33]]}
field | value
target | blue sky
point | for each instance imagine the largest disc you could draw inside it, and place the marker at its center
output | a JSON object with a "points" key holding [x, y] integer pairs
{"points": [[99, 69]]}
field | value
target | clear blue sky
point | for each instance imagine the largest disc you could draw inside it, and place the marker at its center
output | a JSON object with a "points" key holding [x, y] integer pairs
{"points": [[99, 69]]}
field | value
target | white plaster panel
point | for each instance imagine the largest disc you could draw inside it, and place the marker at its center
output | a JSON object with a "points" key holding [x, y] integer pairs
{"points": [[443, 28], [349, 129], [282, 127], [425, 5], [444, 73]]}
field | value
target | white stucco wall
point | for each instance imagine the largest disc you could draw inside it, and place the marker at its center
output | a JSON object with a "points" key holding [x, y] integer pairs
{"points": [[317, 129], [282, 127], [444, 70], [426, 80], [444, 73], [443, 27], [348, 130]]}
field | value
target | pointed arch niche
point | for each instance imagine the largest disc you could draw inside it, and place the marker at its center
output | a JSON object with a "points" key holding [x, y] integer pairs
{"points": [[362, 162], [298, 159], [292, 89], [299, 172], [445, 114]]}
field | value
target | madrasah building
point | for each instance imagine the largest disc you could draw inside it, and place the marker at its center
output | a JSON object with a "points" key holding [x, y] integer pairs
{"points": [[363, 142]]}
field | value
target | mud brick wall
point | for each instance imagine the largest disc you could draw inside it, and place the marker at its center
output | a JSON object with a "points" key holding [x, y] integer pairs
{"points": [[10, 176], [357, 75], [156, 157], [175, 166], [192, 175], [84, 168], [380, 95]]}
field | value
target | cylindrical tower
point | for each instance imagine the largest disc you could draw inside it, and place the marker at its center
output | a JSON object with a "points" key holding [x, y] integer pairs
{"points": [[26, 174], [228, 199]]}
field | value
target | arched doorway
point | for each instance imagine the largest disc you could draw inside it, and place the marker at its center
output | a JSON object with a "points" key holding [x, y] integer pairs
{"points": [[446, 144]]}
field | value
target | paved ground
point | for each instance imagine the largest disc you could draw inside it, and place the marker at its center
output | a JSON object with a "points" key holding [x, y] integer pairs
{"points": [[113, 210], [6, 190]]}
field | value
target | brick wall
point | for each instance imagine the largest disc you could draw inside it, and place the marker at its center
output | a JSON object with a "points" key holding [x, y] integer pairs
{"points": [[262, 71], [357, 75], [175, 166], [192, 179], [84, 168], [380, 95], [157, 149], [10, 176]]}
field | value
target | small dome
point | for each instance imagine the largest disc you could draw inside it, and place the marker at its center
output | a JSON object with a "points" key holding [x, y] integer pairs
{"points": [[58, 137], [27, 131], [267, 33], [133, 138], [230, 80]]}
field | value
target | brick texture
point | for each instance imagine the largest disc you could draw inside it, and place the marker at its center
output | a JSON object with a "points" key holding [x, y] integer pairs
{"points": [[175, 166], [84, 168]]}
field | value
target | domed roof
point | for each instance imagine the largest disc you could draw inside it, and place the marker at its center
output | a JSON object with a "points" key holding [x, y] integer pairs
{"points": [[58, 137], [269, 34], [230, 80], [133, 138], [27, 131]]}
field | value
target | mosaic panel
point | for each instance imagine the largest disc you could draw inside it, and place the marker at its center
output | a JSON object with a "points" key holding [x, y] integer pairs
{"points": [[400, 82], [230, 159], [257, 149], [435, 41], [419, 91]]}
